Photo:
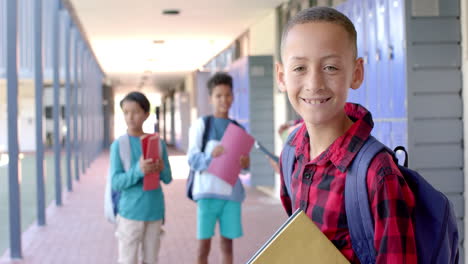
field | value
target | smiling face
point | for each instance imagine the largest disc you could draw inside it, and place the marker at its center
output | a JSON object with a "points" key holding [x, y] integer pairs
{"points": [[221, 98], [319, 67]]}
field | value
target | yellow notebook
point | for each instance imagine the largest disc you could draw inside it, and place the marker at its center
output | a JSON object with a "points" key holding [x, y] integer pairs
{"points": [[298, 241]]}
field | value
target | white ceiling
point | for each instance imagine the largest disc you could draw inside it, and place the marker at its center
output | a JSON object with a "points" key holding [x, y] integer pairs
{"points": [[122, 32]]}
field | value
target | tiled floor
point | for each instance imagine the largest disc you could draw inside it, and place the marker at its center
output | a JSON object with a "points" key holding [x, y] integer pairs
{"points": [[78, 233]]}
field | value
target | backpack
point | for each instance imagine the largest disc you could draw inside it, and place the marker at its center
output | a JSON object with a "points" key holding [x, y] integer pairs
{"points": [[207, 121], [111, 197], [435, 226]]}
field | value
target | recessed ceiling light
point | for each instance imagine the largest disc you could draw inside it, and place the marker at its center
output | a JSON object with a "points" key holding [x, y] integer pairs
{"points": [[171, 12]]}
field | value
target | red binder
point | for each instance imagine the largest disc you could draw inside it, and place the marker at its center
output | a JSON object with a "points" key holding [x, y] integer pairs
{"points": [[150, 149]]}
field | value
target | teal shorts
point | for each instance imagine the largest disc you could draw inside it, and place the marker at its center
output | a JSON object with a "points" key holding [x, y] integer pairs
{"points": [[209, 211]]}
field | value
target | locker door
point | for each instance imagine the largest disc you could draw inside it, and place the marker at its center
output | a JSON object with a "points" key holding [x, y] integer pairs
{"points": [[377, 131], [245, 93], [240, 106], [373, 91], [399, 134], [233, 112], [382, 132], [385, 104], [339, 7], [397, 57], [345, 8], [348, 10], [386, 133], [359, 20]]}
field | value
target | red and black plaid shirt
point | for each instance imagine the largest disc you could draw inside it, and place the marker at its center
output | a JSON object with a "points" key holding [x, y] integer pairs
{"points": [[318, 187]]}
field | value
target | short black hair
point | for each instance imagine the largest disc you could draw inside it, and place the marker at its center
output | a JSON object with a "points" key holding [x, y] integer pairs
{"points": [[217, 79], [321, 14], [138, 98]]}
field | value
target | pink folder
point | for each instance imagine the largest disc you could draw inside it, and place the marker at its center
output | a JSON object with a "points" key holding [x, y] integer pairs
{"points": [[236, 142]]}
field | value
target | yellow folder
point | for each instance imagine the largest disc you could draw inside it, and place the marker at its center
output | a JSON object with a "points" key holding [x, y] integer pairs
{"points": [[298, 241]]}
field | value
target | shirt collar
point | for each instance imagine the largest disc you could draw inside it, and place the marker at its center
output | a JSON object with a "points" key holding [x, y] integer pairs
{"points": [[343, 150]]}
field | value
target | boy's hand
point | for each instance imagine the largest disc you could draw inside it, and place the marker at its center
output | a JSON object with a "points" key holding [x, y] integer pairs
{"points": [[274, 165], [244, 162], [217, 151], [159, 165], [147, 166], [283, 128]]}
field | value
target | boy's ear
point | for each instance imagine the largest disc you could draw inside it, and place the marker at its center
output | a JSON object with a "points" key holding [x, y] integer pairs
{"points": [[358, 74], [280, 76]]}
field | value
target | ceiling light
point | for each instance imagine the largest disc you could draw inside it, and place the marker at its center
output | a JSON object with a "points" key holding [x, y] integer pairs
{"points": [[158, 41], [171, 12]]}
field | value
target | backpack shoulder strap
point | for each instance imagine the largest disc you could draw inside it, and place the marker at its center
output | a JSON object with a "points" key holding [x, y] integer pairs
{"points": [[111, 197], [207, 121], [288, 159], [190, 179], [236, 123], [124, 151], [360, 221]]}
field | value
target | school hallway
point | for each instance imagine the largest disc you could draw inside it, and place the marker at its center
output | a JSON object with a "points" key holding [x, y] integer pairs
{"points": [[77, 232], [66, 65]]}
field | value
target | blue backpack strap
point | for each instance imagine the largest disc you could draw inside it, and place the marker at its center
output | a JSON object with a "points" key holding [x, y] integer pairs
{"points": [[111, 197], [236, 123], [288, 159], [360, 221], [207, 121]]}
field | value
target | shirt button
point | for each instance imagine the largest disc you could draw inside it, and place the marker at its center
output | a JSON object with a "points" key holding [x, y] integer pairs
{"points": [[308, 175]]}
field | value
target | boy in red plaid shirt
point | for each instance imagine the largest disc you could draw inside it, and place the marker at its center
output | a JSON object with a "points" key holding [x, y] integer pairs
{"points": [[319, 65]]}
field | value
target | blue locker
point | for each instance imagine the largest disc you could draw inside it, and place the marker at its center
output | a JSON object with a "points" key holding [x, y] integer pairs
{"points": [[377, 131], [339, 7], [239, 71], [382, 132], [399, 134], [345, 8], [245, 98], [386, 133], [358, 18], [234, 111], [397, 63], [370, 67], [384, 106], [354, 95]]}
